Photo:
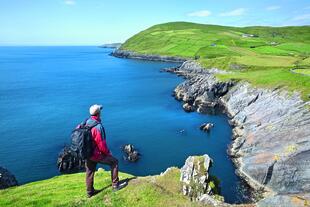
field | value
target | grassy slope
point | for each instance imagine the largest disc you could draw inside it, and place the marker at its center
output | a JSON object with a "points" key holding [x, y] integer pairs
{"points": [[265, 60], [69, 190]]}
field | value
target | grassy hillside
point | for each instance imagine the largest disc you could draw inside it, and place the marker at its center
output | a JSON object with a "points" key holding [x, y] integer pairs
{"points": [[260, 55], [69, 190]]}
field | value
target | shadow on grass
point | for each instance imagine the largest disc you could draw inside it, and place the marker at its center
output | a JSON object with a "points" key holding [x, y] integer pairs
{"points": [[123, 183]]}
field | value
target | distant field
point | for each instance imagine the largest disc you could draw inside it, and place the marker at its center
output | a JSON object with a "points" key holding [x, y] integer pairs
{"points": [[260, 55], [303, 71]]}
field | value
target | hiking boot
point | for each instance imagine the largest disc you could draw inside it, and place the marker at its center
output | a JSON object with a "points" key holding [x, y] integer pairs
{"points": [[91, 194], [119, 186]]}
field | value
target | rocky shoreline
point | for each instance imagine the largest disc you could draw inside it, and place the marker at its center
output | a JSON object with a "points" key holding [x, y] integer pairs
{"points": [[271, 132], [271, 129], [129, 54]]}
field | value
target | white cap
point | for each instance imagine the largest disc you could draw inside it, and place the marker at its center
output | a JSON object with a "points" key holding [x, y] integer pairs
{"points": [[95, 109]]}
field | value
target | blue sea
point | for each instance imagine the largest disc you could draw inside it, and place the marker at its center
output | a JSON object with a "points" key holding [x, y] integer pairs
{"points": [[46, 91]]}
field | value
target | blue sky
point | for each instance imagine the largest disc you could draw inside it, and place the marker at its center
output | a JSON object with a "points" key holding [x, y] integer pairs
{"points": [[93, 22]]}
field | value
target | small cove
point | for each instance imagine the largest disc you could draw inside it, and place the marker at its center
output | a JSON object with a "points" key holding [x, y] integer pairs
{"points": [[46, 92]]}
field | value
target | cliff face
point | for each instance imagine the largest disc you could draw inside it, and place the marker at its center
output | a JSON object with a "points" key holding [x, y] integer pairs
{"points": [[271, 135]]}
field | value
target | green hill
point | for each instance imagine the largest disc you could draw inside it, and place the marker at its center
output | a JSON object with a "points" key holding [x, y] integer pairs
{"points": [[263, 56], [69, 190]]}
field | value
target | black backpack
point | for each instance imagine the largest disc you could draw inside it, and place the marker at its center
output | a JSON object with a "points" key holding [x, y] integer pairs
{"points": [[81, 140]]}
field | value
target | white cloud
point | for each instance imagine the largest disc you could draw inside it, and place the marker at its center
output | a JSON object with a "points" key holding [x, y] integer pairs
{"points": [[202, 13], [69, 2], [272, 8], [301, 17], [236, 12]]}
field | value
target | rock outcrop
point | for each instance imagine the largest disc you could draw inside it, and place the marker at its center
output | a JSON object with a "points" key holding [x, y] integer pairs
{"points": [[194, 176], [7, 179], [69, 162], [206, 127], [201, 89], [289, 200], [271, 135], [271, 138], [129, 54], [196, 181], [132, 154]]}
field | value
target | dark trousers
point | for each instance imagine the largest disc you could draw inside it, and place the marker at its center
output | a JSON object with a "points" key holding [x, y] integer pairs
{"points": [[91, 169]]}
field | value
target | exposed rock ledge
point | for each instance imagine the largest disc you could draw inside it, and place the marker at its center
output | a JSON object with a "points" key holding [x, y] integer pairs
{"points": [[7, 179], [134, 55], [271, 134]]}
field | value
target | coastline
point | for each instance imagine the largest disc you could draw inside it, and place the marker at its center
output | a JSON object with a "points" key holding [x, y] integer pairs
{"points": [[133, 55], [256, 115]]}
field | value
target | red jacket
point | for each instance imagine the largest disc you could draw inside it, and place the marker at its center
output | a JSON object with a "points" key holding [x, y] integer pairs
{"points": [[100, 147]]}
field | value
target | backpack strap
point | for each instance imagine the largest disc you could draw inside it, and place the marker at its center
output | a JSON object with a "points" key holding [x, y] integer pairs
{"points": [[104, 135], [92, 125], [95, 124]]}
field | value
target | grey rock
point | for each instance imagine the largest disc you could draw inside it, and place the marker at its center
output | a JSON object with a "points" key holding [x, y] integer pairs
{"points": [[7, 179], [206, 127], [201, 87], [187, 107], [194, 176], [69, 162], [170, 70], [211, 201], [273, 146], [129, 54], [128, 148], [195, 181], [132, 154], [291, 200]]}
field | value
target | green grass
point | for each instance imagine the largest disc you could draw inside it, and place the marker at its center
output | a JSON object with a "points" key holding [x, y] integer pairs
{"points": [[295, 47], [267, 61], [264, 60], [271, 50], [69, 190], [303, 71], [273, 77], [305, 62]]}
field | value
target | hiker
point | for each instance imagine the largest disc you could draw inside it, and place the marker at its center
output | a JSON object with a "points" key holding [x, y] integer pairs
{"points": [[101, 154]]}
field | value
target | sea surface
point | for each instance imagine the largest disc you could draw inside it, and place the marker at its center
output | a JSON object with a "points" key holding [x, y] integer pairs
{"points": [[46, 91]]}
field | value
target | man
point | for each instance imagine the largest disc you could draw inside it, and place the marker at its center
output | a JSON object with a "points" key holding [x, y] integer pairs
{"points": [[101, 153]]}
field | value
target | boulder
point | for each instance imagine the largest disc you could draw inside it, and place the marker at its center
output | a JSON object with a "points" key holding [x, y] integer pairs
{"points": [[195, 177], [132, 155], [7, 179], [206, 127]]}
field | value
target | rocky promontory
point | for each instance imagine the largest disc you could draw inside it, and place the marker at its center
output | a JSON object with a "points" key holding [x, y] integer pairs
{"points": [[271, 131], [129, 54]]}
